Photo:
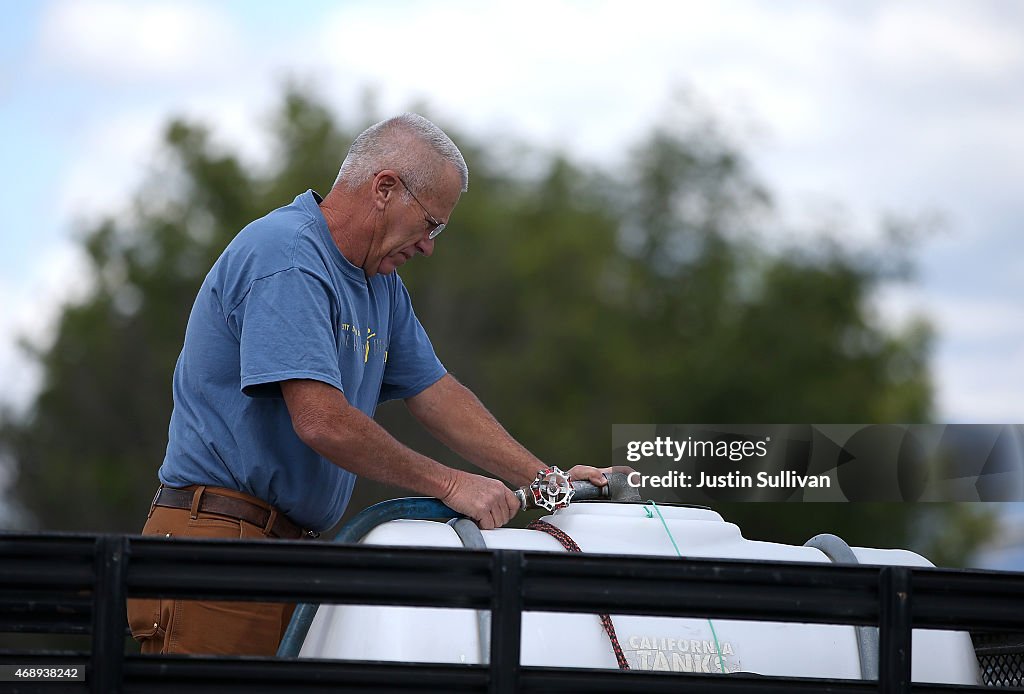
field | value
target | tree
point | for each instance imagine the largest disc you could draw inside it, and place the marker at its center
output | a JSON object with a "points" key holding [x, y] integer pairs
{"points": [[569, 300]]}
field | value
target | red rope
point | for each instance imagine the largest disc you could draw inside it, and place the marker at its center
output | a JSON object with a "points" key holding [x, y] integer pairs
{"points": [[606, 620]]}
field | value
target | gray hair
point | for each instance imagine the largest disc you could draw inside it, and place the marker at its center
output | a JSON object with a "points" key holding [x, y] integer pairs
{"points": [[402, 144]]}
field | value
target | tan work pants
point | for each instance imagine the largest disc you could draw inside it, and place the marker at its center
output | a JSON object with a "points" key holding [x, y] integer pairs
{"points": [[217, 628]]}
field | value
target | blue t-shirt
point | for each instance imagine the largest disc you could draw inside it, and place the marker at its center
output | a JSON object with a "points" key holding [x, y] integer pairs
{"points": [[281, 303]]}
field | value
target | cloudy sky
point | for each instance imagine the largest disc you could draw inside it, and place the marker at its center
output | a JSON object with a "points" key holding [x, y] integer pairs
{"points": [[849, 111]]}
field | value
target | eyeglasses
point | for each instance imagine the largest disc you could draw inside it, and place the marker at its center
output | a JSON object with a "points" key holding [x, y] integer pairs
{"points": [[438, 226]]}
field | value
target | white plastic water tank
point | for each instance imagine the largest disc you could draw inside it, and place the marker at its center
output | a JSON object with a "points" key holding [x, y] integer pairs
{"points": [[413, 634]]}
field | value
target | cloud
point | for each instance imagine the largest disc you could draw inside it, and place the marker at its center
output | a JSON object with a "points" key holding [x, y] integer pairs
{"points": [[115, 149], [131, 42], [978, 365], [983, 387], [938, 38], [107, 159], [983, 322], [851, 99], [32, 309]]}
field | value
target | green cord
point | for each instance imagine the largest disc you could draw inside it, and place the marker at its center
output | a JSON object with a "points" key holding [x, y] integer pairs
{"points": [[664, 525], [718, 649]]}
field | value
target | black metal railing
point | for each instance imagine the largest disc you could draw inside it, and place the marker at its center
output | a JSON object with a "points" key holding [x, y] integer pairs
{"points": [[78, 584], [1001, 657]]}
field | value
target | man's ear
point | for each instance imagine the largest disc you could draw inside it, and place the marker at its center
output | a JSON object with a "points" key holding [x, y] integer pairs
{"points": [[384, 186]]}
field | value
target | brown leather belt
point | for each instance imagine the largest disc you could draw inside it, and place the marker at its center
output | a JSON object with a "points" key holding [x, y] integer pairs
{"points": [[239, 509]]}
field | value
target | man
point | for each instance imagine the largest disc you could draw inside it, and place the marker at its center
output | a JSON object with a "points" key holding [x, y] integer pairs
{"points": [[301, 327]]}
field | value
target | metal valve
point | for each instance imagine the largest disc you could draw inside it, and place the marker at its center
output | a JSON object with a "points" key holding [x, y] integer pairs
{"points": [[552, 489]]}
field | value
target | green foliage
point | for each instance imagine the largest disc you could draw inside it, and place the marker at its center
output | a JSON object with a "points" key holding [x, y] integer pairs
{"points": [[567, 299]]}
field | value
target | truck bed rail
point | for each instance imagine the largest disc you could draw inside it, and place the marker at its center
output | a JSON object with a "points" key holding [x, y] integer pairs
{"points": [[77, 584]]}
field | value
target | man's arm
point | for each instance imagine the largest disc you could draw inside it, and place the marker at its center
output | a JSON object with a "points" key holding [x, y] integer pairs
{"points": [[456, 417], [325, 421]]}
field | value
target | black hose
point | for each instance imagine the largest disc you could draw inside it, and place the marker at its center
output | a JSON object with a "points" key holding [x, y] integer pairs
{"points": [[617, 489]]}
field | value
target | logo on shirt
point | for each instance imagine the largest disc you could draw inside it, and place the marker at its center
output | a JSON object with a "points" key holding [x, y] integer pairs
{"points": [[365, 343], [366, 357]]}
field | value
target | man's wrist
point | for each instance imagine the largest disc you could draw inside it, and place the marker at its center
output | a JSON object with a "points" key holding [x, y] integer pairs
{"points": [[529, 473], [446, 481]]}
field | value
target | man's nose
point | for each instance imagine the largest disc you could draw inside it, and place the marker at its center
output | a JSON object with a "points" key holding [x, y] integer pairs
{"points": [[425, 246]]}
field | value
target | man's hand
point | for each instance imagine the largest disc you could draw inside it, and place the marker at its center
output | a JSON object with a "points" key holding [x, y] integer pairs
{"points": [[487, 501], [595, 475]]}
